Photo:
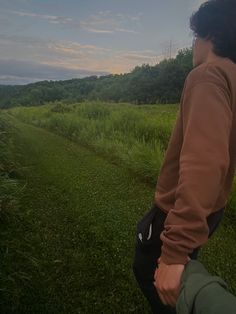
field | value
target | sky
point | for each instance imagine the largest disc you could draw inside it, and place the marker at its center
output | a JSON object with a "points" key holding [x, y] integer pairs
{"points": [[64, 39]]}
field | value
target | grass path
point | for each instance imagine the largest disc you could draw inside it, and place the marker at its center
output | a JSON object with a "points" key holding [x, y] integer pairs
{"points": [[73, 249]]}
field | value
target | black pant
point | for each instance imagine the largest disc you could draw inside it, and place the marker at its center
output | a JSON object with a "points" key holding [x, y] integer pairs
{"points": [[147, 251]]}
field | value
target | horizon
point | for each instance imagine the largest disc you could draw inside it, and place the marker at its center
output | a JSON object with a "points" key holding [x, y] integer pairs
{"points": [[78, 78], [56, 41]]}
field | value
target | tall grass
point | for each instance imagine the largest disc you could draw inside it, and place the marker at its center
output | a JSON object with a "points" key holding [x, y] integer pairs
{"points": [[137, 136], [9, 172], [10, 192]]}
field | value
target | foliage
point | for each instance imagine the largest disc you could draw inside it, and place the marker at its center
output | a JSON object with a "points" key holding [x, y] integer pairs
{"points": [[10, 192], [137, 136], [9, 172], [146, 84], [79, 211]]}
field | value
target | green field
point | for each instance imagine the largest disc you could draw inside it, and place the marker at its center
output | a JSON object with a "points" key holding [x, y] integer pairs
{"points": [[89, 172]]}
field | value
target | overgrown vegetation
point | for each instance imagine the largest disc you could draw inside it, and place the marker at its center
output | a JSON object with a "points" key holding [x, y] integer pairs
{"points": [[11, 187], [146, 84], [9, 170], [68, 248], [72, 251], [136, 136]]}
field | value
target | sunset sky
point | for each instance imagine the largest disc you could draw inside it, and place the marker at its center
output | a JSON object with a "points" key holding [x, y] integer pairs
{"points": [[58, 39]]}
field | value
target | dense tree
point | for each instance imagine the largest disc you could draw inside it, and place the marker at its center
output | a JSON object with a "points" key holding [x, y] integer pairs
{"points": [[161, 83]]}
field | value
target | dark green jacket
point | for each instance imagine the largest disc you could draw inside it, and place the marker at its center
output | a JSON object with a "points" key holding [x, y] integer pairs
{"points": [[202, 293]]}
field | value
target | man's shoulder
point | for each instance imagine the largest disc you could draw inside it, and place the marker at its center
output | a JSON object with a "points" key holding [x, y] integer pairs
{"points": [[212, 72]]}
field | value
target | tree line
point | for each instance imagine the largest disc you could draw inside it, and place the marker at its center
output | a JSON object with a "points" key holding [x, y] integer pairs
{"points": [[161, 83]]}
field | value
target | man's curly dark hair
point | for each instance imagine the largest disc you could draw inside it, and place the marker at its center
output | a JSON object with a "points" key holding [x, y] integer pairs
{"points": [[215, 20]]}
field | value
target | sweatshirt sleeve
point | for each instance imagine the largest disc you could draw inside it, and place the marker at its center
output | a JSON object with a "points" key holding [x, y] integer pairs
{"points": [[203, 165]]}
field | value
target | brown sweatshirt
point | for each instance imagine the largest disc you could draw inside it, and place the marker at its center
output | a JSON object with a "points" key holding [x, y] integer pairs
{"points": [[199, 165]]}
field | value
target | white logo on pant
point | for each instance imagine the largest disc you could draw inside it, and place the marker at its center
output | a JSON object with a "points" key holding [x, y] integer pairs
{"points": [[149, 234]]}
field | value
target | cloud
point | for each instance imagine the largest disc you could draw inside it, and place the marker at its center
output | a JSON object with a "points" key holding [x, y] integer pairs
{"points": [[71, 48], [135, 56], [70, 59], [104, 22], [109, 61], [23, 72], [33, 45], [126, 30], [50, 18], [72, 54], [21, 39], [69, 55], [98, 31], [125, 16]]}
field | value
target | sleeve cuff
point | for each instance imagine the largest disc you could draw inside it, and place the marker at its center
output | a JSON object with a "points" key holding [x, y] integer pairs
{"points": [[171, 256]]}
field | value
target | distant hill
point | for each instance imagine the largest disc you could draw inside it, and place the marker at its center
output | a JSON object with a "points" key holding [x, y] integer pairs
{"points": [[161, 83]]}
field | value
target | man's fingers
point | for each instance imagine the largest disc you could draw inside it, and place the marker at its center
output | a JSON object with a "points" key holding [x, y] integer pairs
{"points": [[166, 300], [163, 300], [155, 275], [161, 296], [172, 300]]}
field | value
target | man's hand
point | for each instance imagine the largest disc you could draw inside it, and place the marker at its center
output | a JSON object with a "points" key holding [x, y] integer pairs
{"points": [[167, 279]]}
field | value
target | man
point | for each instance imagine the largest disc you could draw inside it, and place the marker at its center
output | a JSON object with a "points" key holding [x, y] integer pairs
{"points": [[199, 165]]}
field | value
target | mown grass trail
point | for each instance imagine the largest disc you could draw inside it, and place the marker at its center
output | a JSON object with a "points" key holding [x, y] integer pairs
{"points": [[73, 248]]}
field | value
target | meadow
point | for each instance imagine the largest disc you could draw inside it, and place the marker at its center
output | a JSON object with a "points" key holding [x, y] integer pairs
{"points": [[134, 136], [90, 171]]}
